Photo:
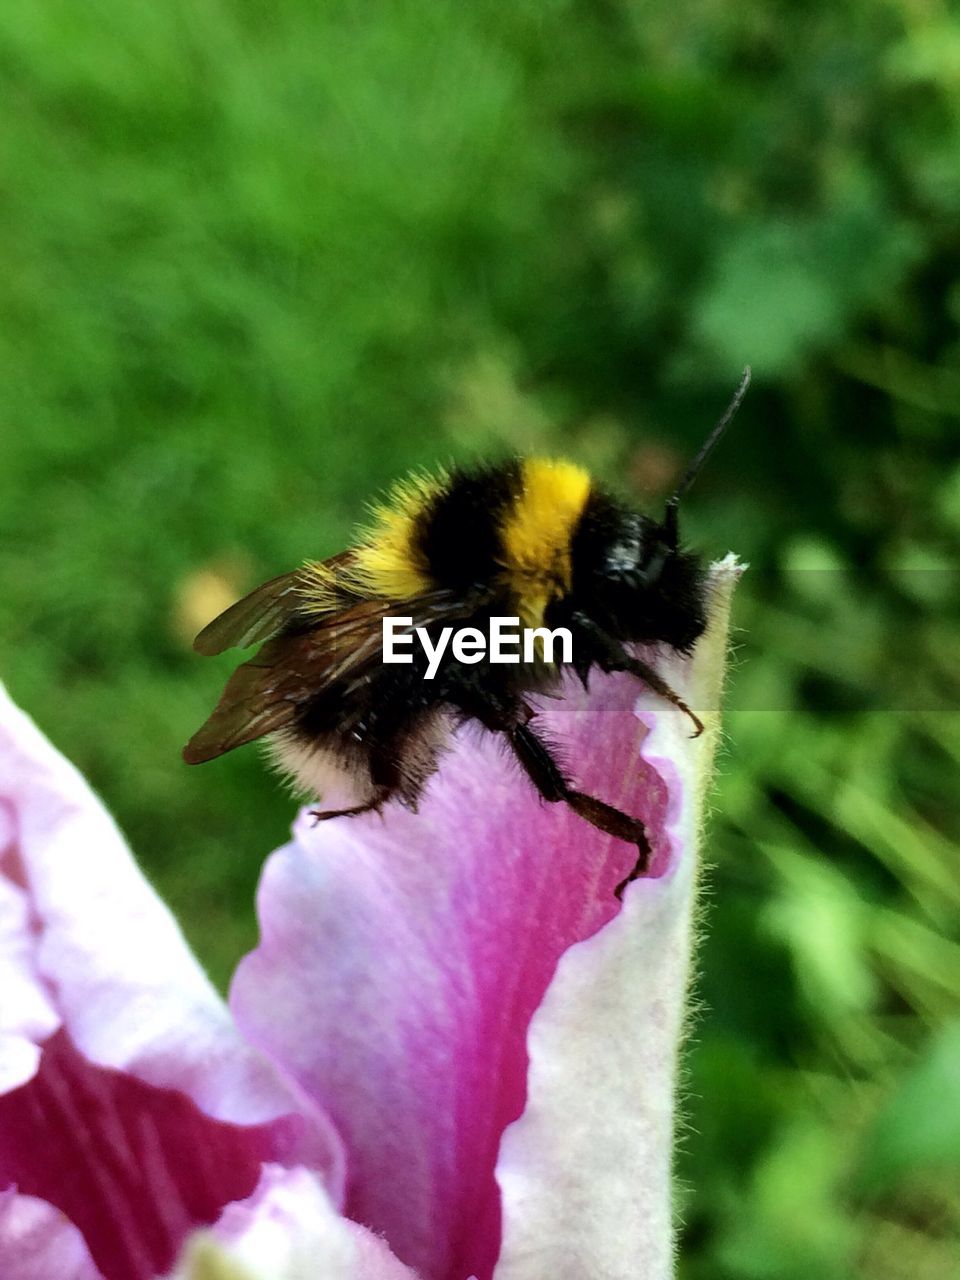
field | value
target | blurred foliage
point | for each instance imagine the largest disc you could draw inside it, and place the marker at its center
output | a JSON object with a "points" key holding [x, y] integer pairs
{"points": [[256, 261]]}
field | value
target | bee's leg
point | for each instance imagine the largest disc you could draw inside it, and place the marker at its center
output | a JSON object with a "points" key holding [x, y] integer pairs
{"points": [[610, 655], [544, 772], [373, 805], [646, 673], [385, 780]]}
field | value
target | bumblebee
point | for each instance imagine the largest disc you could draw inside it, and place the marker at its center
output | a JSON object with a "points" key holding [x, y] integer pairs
{"points": [[530, 538]]}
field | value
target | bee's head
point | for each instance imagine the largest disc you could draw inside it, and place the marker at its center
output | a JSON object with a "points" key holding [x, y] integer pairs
{"points": [[646, 588], [639, 583]]}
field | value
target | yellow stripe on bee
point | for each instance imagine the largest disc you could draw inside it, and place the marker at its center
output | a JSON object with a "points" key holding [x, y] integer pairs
{"points": [[387, 562], [537, 534]]}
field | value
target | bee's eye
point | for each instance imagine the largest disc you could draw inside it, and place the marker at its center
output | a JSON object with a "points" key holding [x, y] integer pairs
{"points": [[623, 558], [636, 563]]}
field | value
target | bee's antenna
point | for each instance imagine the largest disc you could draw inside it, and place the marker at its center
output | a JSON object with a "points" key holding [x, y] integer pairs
{"points": [[673, 503]]}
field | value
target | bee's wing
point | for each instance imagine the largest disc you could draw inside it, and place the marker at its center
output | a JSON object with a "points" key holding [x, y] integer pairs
{"points": [[259, 615], [266, 693]]}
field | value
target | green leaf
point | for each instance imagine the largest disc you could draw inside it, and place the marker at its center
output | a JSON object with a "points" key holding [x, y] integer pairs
{"points": [[920, 1128]]}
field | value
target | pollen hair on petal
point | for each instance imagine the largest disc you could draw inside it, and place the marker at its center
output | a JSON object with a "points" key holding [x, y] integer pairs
{"points": [[205, 1259]]}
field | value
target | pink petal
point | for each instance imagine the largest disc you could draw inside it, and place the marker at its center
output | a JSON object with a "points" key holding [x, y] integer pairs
{"points": [[39, 1243], [110, 956], [401, 963], [86, 946], [289, 1230], [586, 1171]]}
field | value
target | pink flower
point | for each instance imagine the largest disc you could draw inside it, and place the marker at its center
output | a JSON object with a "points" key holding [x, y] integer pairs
{"points": [[452, 1054]]}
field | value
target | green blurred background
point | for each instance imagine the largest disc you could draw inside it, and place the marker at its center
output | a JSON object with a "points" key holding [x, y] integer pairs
{"points": [[255, 261]]}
